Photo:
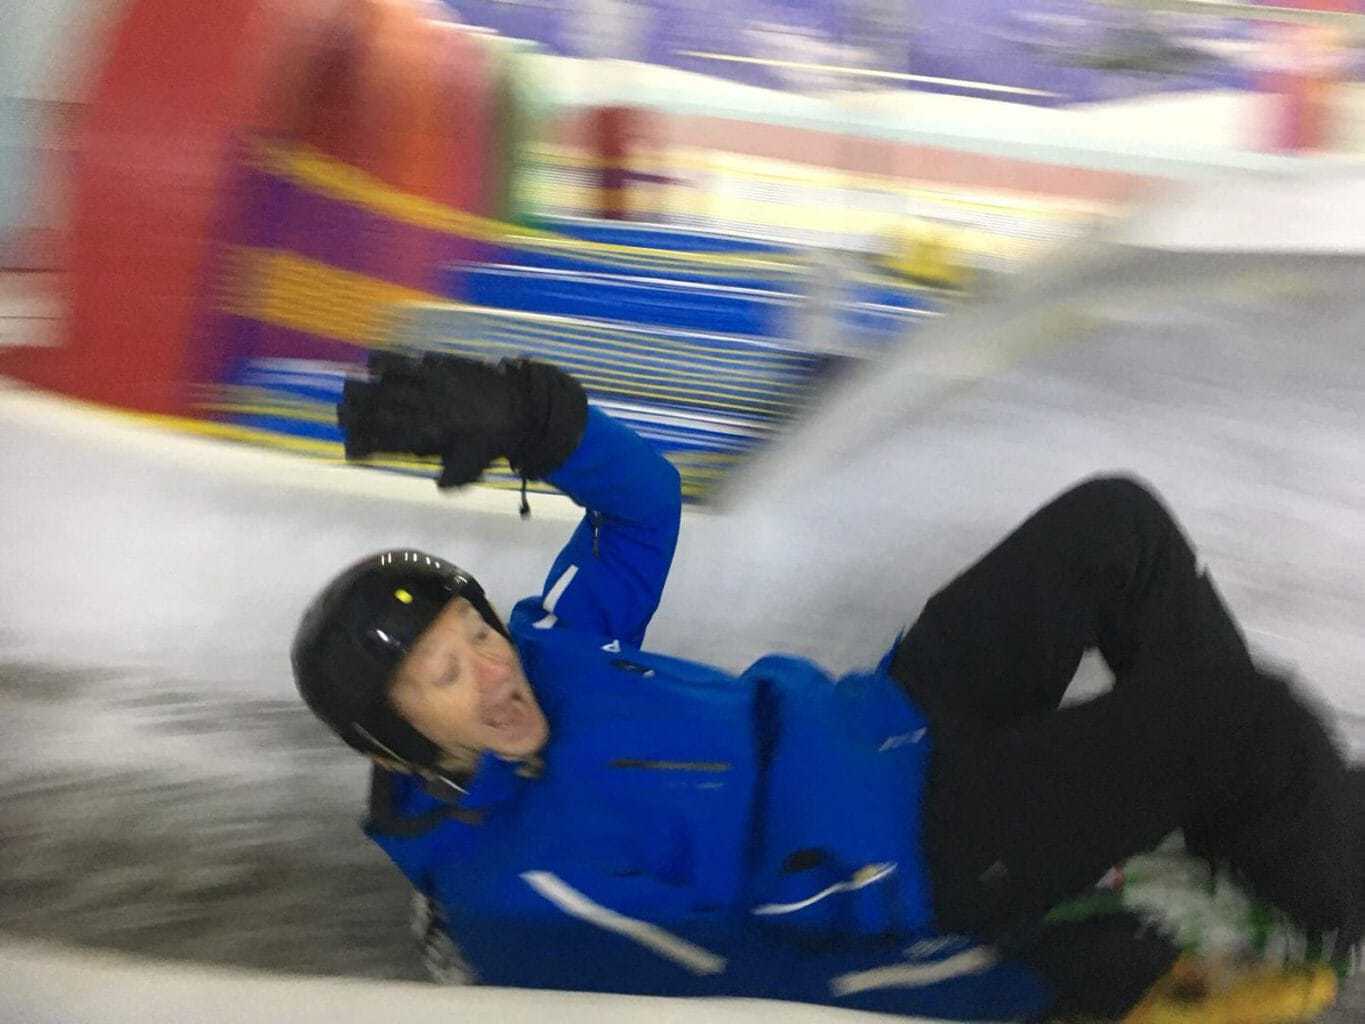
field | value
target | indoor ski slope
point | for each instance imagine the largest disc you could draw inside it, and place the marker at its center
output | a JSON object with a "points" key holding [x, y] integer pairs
{"points": [[163, 795]]}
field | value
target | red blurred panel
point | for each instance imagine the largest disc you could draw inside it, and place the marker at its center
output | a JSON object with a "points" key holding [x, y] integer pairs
{"points": [[422, 125], [316, 104], [397, 119], [612, 131], [159, 185], [463, 142], [180, 85]]}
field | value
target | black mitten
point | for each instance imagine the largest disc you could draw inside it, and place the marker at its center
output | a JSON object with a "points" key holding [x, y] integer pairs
{"points": [[551, 411], [467, 411]]}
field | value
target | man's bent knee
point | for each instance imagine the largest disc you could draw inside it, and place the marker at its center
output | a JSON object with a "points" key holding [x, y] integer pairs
{"points": [[1115, 489]]}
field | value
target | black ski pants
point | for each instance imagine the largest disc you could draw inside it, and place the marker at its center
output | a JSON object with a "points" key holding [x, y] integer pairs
{"points": [[1029, 803]]}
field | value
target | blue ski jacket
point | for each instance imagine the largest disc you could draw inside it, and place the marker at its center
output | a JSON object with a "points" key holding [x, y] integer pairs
{"points": [[688, 832]]}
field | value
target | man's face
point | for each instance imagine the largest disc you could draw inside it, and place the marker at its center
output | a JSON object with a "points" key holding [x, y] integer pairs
{"points": [[462, 686]]}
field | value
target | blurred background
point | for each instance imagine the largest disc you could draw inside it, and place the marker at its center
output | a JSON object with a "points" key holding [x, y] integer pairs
{"points": [[650, 191], [878, 276]]}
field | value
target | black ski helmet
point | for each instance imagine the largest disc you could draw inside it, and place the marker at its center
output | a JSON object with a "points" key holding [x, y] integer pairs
{"points": [[354, 634]]}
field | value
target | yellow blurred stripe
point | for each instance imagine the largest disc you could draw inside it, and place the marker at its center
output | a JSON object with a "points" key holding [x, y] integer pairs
{"points": [[287, 290], [323, 175]]}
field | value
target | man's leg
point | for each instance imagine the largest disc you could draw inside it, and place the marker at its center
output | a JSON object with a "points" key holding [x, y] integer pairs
{"points": [[1018, 818], [1102, 566], [1028, 805]]}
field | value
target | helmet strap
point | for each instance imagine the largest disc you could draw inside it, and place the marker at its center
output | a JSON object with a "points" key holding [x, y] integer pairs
{"points": [[431, 775]]}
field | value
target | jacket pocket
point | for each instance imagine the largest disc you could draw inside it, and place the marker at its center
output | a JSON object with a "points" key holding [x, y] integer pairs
{"points": [[817, 898]]}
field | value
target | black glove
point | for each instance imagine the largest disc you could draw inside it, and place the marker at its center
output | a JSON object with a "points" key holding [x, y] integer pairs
{"points": [[467, 411]]}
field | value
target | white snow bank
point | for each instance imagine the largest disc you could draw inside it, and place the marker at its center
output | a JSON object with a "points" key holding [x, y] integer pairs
{"points": [[46, 984]]}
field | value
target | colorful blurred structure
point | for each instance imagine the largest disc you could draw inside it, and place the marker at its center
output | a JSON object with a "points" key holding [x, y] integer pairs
{"points": [[185, 182], [258, 193]]}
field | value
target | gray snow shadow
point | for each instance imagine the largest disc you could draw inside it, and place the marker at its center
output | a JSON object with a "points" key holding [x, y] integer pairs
{"points": [[179, 822]]}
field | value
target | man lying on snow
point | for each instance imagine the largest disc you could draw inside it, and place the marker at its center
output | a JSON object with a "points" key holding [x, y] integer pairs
{"points": [[581, 814]]}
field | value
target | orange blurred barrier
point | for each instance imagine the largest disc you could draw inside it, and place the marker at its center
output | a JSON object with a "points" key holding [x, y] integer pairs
{"points": [[166, 185]]}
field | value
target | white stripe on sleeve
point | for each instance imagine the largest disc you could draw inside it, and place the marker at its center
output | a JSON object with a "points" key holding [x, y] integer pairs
{"points": [[665, 943], [553, 595], [970, 961]]}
